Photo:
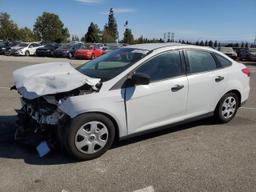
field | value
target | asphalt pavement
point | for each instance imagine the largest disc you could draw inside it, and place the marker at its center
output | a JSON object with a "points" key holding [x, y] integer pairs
{"points": [[199, 156]]}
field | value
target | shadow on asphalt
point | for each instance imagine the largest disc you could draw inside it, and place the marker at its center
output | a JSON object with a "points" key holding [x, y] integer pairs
{"points": [[9, 149]]}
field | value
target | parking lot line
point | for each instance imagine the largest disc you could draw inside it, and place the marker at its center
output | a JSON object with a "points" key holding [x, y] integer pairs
{"points": [[147, 189], [250, 108]]}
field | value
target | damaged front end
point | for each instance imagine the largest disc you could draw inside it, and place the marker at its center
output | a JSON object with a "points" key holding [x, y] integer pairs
{"points": [[40, 120], [42, 88]]}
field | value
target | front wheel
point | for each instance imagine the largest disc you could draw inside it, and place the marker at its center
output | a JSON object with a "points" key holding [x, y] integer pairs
{"points": [[89, 136], [70, 55], [93, 57], [27, 53], [227, 107]]}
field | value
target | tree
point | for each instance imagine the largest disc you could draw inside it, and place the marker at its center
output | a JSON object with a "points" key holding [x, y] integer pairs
{"points": [[49, 27], [210, 43], [74, 38], [128, 36], [242, 45], [8, 29], [246, 45], [110, 32], [215, 43], [92, 34], [197, 43], [206, 43], [201, 43], [26, 34], [106, 37]]}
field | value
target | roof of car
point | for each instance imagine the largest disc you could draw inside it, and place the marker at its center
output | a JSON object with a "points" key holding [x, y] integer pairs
{"points": [[152, 46]]}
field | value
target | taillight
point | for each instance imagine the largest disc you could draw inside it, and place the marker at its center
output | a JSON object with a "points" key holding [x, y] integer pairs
{"points": [[246, 71]]}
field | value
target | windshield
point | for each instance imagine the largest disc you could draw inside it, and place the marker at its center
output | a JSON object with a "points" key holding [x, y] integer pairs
{"points": [[23, 45], [66, 46], [252, 50], [226, 49], [112, 64], [87, 46]]}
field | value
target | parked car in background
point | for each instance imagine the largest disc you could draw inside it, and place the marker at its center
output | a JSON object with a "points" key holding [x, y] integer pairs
{"points": [[47, 50], [248, 54], [111, 46], [67, 49], [127, 92], [5, 47], [229, 51], [89, 51], [25, 49]]}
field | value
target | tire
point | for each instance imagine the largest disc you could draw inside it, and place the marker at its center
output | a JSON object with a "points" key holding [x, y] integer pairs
{"points": [[27, 53], [70, 55], [227, 108], [84, 134]]}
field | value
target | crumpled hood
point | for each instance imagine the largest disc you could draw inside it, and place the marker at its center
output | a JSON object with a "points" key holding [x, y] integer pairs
{"points": [[49, 78]]}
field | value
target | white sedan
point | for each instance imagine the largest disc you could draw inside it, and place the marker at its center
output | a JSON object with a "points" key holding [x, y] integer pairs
{"points": [[26, 49], [127, 92]]}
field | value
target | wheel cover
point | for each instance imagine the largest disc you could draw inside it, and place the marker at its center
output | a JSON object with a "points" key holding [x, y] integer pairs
{"points": [[91, 137], [228, 107]]}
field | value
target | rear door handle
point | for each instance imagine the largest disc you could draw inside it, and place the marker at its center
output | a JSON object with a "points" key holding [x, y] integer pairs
{"points": [[219, 78], [177, 88]]}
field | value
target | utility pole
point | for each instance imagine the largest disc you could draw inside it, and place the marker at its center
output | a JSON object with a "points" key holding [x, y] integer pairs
{"points": [[169, 36], [255, 40], [172, 39]]}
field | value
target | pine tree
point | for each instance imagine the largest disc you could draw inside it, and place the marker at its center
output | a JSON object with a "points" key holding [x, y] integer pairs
{"points": [[210, 43], [215, 43], [128, 36], [112, 25], [92, 35]]}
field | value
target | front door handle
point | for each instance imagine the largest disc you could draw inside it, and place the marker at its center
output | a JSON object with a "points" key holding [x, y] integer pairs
{"points": [[219, 78], [177, 88]]}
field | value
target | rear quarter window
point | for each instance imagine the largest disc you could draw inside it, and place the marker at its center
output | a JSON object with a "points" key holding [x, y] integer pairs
{"points": [[200, 61], [223, 61]]}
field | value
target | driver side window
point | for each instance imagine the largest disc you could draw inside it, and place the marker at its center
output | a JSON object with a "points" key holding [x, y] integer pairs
{"points": [[164, 66]]}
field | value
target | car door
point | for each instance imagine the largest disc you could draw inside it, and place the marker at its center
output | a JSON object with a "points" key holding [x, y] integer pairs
{"points": [[32, 48], [161, 102], [207, 81]]}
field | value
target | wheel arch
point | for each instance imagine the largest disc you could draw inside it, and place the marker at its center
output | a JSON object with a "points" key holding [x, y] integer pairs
{"points": [[235, 91]]}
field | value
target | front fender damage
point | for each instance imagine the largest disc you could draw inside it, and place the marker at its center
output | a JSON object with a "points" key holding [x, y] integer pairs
{"points": [[41, 121]]}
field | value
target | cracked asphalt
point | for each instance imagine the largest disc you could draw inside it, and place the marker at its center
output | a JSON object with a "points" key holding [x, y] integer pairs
{"points": [[200, 156]]}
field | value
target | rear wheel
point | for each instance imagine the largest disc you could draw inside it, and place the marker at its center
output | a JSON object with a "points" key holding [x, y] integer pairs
{"points": [[227, 107], [89, 136]]}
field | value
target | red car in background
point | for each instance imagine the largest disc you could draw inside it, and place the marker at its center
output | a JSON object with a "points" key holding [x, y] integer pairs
{"points": [[89, 51]]}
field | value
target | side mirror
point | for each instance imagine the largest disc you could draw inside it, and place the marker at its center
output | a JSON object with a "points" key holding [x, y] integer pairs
{"points": [[140, 79]]}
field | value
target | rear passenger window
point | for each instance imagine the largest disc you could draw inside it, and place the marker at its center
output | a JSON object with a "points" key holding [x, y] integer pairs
{"points": [[200, 61], [223, 61], [164, 66]]}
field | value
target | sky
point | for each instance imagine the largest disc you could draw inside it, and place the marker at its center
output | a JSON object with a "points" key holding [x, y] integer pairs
{"points": [[193, 20]]}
